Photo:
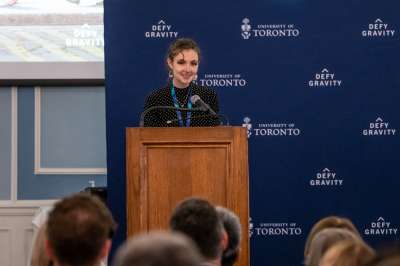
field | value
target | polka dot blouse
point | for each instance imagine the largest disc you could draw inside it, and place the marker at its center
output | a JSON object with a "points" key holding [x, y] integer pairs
{"points": [[169, 118]]}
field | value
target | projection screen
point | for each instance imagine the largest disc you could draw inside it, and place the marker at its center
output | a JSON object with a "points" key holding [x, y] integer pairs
{"points": [[55, 41]]}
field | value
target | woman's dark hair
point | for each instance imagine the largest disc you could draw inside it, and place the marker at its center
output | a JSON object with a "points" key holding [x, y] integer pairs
{"points": [[179, 45]]}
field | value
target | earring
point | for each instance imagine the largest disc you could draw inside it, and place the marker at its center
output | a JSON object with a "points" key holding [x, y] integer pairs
{"points": [[170, 75], [195, 79]]}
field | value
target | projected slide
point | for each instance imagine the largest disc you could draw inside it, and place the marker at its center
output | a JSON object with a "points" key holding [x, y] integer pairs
{"points": [[51, 39]]}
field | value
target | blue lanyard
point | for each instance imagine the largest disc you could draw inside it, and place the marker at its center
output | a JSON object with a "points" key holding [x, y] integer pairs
{"points": [[176, 104]]}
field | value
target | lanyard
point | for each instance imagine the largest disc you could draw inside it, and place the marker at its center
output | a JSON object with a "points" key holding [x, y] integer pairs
{"points": [[176, 104]]}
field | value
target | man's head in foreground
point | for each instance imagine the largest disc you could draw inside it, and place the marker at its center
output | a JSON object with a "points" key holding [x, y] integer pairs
{"points": [[158, 249], [198, 219], [79, 229]]}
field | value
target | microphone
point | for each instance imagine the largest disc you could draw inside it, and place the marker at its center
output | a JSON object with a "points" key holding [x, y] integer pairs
{"points": [[145, 112], [197, 101]]}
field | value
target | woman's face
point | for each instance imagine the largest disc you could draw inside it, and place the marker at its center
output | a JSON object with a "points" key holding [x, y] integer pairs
{"points": [[184, 67]]}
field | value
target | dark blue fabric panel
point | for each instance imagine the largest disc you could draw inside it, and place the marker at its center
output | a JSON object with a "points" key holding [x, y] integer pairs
{"points": [[302, 135]]}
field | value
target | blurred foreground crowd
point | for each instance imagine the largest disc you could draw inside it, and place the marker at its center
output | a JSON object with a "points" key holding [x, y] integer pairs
{"points": [[79, 229]]}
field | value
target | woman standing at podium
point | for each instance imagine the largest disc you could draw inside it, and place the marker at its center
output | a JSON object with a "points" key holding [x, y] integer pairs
{"points": [[182, 59]]}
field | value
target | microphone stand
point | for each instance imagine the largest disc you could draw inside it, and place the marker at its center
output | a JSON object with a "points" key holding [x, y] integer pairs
{"points": [[145, 112], [205, 116]]}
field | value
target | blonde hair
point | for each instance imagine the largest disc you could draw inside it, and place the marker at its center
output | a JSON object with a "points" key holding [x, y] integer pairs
{"points": [[325, 239], [329, 222], [349, 253], [39, 255]]}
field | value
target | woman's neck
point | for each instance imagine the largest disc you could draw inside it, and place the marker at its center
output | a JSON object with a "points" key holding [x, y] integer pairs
{"points": [[179, 85]]}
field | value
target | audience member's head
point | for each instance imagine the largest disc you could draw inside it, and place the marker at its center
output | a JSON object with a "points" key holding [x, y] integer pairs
{"points": [[329, 222], [158, 249], [198, 219], [325, 239], [78, 231], [39, 255], [232, 227], [347, 253]]}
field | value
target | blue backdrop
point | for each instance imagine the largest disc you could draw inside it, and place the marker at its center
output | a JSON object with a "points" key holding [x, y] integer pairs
{"points": [[317, 85]]}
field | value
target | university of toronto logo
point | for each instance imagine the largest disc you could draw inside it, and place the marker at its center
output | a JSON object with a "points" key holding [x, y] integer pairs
{"points": [[275, 229], [251, 228], [268, 30], [222, 80], [247, 125], [270, 129], [246, 27]]}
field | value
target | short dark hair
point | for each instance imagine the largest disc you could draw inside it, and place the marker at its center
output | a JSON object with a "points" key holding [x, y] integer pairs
{"points": [[158, 249], [77, 229], [233, 229], [198, 219]]}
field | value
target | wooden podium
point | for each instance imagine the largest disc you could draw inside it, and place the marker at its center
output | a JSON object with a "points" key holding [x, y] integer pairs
{"points": [[166, 165]]}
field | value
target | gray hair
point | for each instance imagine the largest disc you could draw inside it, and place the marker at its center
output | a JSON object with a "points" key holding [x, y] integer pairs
{"points": [[233, 229]]}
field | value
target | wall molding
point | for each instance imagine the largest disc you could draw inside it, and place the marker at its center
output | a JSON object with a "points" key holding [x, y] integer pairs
{"points": [[18, 223], [70, 171], [17, 211], [23, 206], [6, 243], [39, 170]]}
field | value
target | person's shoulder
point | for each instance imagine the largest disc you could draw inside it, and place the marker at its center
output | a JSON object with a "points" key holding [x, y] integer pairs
{"points": [[158, 92], [157, 97]]}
